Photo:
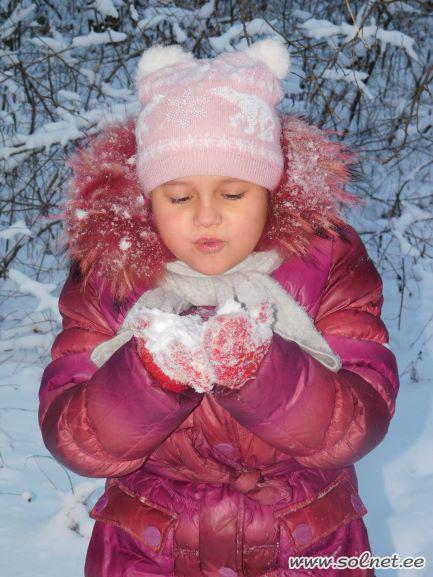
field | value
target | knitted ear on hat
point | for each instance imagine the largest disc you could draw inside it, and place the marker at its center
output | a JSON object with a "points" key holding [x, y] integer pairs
{"points": [[273, 53], [159, 57]]}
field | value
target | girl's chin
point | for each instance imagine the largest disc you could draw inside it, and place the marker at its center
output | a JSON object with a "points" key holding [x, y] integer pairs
{"points": [[214, 268], [209, 264]]}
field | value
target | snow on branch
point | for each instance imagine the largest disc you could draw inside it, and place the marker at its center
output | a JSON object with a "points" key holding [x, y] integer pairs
{"points": [[106, 8], [94, 38], [19, 228], [221, 43], [180, 19], [353, 76], [206, 10], [56, 44], [74, 127], [314, 28], [8, 27], [411, 214], [40, 290]]}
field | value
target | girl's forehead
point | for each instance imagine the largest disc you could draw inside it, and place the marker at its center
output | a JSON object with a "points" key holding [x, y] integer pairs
{"points": [[201, 179]]}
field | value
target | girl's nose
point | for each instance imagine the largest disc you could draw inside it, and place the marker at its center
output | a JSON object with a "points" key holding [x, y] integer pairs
{"points": [[206, 214]]}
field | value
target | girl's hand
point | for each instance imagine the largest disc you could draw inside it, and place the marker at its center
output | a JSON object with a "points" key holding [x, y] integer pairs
{"points": [[170, 346], [236, 340]]}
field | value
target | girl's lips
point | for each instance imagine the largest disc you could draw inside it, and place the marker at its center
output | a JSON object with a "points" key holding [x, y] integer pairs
{"points": [[209, 246]]}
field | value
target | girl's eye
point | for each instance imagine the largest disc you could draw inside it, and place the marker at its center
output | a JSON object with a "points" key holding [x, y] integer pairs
{"points": [[229, 196], [178, 200], [235, 196]]}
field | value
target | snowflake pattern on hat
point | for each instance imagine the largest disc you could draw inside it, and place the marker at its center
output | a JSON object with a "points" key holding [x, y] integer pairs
{"points": [[184, 109]]}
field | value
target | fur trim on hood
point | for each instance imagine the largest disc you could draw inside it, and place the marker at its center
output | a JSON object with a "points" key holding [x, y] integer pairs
{"points": [[108, 222]]}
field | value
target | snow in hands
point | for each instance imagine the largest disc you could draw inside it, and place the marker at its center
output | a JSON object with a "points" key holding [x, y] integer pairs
{"points": [[236, 342], [226, 349], [174, 345]]}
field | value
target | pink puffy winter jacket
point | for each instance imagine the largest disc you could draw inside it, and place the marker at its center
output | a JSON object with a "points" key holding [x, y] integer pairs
{"points": [[228, 483]]}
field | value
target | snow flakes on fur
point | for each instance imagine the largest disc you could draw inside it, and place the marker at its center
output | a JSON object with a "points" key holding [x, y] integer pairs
{"points": [[107, 219], [109, 225], [306, 201]]}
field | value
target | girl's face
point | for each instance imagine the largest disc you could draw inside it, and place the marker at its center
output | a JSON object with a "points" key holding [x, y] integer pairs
{"points": [[231, 210]]}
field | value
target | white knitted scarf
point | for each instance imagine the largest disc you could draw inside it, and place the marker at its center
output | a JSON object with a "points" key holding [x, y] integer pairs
{"points": [[250, 282]]}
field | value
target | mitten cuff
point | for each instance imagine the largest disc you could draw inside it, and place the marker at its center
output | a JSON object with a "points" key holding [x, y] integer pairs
{"points": [[164, 381]]}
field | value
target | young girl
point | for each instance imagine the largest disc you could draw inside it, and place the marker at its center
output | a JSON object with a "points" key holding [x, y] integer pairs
{"points": [[222, 361]]}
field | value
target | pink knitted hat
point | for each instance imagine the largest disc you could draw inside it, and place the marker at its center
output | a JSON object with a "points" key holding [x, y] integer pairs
{"points": [[214, 116]]}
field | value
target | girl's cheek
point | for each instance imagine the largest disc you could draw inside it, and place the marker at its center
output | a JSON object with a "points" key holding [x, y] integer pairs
{"points": [[169, 216]]}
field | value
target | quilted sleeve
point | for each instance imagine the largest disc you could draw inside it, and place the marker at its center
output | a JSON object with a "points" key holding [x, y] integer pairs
{"points": [[322, 418], [101, 422]]}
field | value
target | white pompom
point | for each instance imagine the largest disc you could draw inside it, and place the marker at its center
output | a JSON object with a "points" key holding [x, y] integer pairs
{"points": [[273, 53], [160, 56]]}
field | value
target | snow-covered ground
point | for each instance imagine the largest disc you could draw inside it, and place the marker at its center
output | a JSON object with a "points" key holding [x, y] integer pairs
{"points": [[396, 479], [44, 523]]}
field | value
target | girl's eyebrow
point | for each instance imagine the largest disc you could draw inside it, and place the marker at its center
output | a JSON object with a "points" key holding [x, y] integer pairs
{"points": [[183, 182]]}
